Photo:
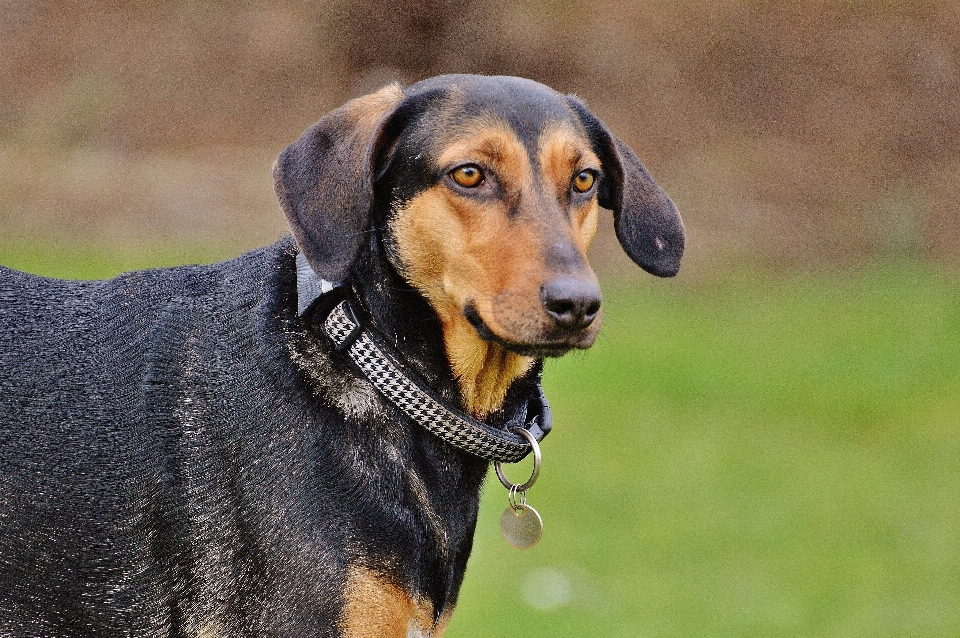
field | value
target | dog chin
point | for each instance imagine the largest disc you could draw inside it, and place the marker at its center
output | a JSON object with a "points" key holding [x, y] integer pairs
{"points": [[539, 349]]}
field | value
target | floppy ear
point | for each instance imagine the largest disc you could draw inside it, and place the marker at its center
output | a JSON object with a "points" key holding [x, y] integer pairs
{"points": [[325, 185], [647, 223]]}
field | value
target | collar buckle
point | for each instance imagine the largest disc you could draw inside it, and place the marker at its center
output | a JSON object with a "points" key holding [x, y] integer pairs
{"points": [[350, 328]]}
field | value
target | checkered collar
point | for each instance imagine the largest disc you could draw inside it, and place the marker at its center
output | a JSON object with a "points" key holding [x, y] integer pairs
{"points": [[384, 368]]}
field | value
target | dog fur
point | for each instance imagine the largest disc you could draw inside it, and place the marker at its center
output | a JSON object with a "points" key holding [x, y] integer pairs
{"points": [[182, 454]]}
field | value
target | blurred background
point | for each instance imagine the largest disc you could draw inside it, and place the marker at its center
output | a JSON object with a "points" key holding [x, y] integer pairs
{"points": [[766, 445]]}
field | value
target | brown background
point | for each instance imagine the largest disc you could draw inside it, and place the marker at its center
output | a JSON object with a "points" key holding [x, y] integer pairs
{"points": [[797, 134]]}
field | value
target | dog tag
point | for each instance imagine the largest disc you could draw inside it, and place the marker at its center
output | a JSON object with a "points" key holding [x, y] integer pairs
{"points": [[521, 526]]}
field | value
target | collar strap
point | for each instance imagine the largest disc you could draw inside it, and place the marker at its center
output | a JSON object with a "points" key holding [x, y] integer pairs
{"points": [[414, 398]]}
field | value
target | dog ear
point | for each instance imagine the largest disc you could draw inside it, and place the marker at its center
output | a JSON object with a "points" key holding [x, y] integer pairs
{"points": [[324, 181], [647, 222]]}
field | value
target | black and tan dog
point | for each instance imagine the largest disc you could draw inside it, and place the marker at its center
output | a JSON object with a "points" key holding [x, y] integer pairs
{"points": [[198, 452]]}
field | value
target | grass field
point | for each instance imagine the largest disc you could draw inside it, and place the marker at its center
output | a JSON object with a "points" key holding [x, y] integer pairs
{"points": [[764, 457], [748, 458]]}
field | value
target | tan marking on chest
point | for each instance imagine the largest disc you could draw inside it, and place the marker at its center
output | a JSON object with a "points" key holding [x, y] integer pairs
{"points": [[377, 608]]}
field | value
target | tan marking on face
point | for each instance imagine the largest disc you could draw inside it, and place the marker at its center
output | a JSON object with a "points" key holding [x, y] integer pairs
{"points": [[563, 154], [491, 143], [488, 251], [455, 253], [378, 608]]}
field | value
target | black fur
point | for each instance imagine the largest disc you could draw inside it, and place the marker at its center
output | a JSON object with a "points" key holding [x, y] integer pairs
{"points": [[181, 453], [179, 450]]}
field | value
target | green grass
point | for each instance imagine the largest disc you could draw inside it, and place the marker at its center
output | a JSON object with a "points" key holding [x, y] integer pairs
{"points": [[751, 457], [85, 260]]}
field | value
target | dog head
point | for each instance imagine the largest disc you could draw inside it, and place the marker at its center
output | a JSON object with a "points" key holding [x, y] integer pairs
{"points": [[492, 187]]}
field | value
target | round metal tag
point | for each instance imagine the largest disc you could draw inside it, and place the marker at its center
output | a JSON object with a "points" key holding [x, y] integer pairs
{"points": [[521, 527]]}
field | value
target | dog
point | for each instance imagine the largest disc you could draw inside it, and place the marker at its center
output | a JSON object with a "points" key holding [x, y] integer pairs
{"points": [[293, 442]]}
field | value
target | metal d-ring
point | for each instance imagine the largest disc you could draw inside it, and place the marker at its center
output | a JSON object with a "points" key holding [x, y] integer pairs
{"points": [[536, 465]]}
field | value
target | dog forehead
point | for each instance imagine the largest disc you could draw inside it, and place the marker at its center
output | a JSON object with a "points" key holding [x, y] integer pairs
{"points": [[465, 104]]}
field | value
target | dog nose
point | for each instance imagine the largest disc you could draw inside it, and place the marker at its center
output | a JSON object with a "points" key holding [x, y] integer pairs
{"points": [[573, 303]]}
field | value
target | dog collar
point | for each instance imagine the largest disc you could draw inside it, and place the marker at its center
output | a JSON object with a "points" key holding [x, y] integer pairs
{"points": [[383, 367]]}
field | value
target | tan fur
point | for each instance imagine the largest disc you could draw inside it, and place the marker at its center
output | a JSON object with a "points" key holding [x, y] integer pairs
{"points": [[563, 154], [452, 259], [459, 250], [377, 608], [370, 109], [496, 144]]}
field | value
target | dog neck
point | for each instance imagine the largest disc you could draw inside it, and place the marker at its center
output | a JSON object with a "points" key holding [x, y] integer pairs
{"points": [[485, 370]]}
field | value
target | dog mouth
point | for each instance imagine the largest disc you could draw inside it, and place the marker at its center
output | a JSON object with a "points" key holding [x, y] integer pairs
{"points": [[549, 347]]}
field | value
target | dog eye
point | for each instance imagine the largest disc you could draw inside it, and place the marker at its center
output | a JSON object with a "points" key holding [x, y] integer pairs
{"points": [[468, 176], [583, 181]]}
